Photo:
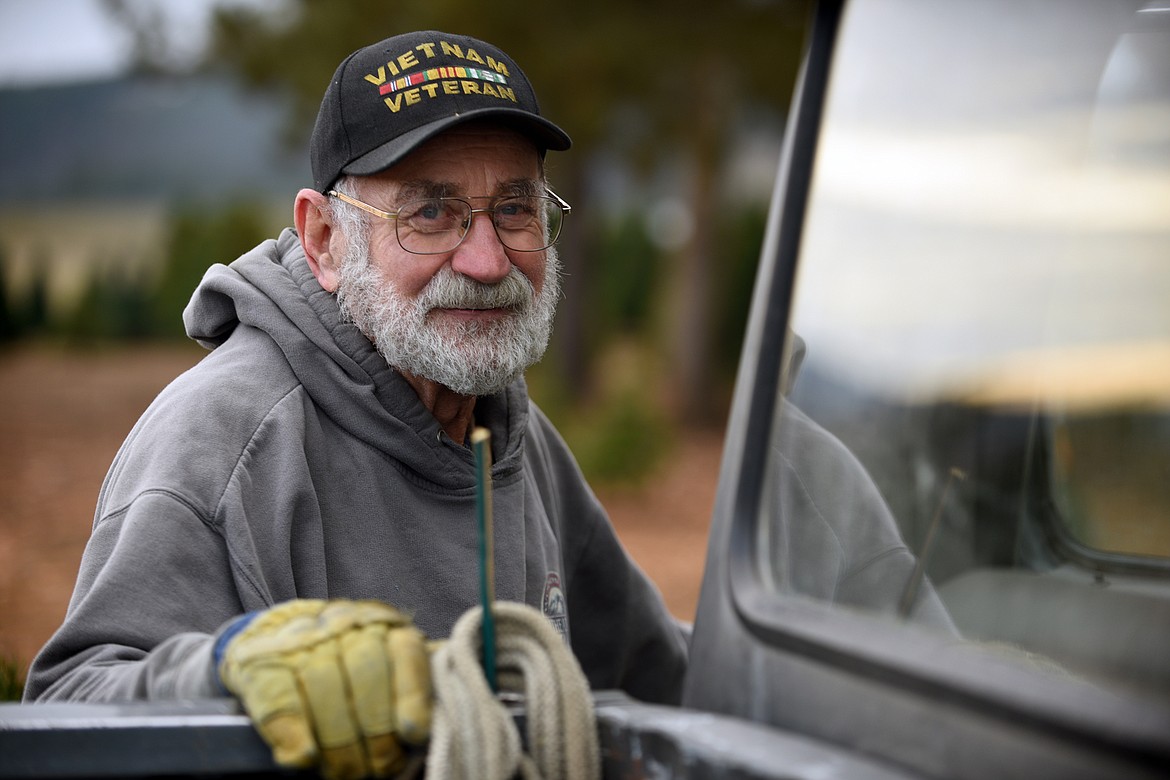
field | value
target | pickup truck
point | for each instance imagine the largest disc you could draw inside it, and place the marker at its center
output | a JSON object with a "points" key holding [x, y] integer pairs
{"points": [[941, 542]]}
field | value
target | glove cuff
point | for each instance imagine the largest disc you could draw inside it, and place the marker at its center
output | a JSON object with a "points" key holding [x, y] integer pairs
{"points": [[226, 635]]}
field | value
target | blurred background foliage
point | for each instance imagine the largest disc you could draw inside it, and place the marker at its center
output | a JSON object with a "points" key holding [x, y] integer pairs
{"points": [[676, 111], [11, 679]]}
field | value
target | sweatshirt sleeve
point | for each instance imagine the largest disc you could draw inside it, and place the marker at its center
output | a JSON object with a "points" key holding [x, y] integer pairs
{"points": [[620, 629], [622, 633], [154, 589]]}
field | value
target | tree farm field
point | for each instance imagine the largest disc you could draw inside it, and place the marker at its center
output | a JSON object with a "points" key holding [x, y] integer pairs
{"points": [[64, 413]]}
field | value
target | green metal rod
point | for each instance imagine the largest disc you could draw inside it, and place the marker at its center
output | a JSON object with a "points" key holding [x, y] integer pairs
{"points": [[481, 440]]}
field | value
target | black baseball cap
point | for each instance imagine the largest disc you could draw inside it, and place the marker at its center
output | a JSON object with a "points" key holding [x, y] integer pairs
{"points": [[388, 98]]}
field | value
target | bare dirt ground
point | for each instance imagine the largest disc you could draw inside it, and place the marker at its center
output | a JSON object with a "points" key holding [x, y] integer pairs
{"points": [[63, 416]]}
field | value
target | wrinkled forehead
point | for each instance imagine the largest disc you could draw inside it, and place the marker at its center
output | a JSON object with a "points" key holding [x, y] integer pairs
{"points": [[476, 158], [475, 141]]}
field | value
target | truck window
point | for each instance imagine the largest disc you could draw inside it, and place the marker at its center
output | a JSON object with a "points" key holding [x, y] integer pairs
{"points": [[976, 439]]}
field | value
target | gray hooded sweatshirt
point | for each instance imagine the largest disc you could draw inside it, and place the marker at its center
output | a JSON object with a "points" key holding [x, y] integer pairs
{"points": [[293, 462]]}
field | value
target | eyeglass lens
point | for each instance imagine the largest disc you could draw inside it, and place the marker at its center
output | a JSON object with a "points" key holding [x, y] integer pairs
{"points": [[437, 225]]}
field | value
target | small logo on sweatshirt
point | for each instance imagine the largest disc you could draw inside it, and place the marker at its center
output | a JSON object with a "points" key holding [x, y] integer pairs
{"points": [[553, 604]]}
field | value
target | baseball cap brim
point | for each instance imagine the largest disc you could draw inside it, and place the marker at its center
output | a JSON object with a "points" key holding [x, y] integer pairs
{"points": [[543, 133]]}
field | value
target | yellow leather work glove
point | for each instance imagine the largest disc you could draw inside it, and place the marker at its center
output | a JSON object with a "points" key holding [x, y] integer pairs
{"points": [[335, 683]]}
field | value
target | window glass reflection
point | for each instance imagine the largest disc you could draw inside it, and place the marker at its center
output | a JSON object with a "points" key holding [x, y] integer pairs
{"points": [[977, 437]]}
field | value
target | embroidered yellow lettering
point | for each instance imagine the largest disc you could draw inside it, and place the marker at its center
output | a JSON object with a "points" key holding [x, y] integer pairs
{"points": [[404, 61], [400, 63], [407, 61], [432, 89]]}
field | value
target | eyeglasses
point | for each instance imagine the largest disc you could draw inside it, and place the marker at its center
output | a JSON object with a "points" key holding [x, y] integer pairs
{"points": [[434, 226]]}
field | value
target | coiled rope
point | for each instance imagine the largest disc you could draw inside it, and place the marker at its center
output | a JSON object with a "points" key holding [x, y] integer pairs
{"points": [[474, 736]]}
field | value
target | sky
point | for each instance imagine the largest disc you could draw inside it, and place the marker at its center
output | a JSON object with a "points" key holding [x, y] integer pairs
{"points": [[59, 41]]}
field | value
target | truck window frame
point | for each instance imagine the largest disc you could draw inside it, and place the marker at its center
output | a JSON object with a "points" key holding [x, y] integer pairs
{"points": [[871, 647]]}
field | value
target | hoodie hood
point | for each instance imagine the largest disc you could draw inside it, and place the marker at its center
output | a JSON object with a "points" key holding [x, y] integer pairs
{"points": [[272, 289]]}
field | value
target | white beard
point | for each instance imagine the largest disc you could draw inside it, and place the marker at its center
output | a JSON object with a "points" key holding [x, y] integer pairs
{"points": [[471, 358]]}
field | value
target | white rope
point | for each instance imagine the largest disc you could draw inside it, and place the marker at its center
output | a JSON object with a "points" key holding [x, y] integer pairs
{"points": [[473, 735]]}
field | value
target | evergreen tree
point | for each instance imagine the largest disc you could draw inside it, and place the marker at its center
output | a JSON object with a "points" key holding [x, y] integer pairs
{"points": [[198, 239], [9, 328], [33, 313]]}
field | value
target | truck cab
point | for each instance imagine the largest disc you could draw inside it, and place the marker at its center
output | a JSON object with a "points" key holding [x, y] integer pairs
{"points": [[953, 396]]}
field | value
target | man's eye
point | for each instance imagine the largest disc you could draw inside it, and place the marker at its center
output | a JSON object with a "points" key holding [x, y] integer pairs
{"points": [[431, 210], [431, 214], [517, 212]]}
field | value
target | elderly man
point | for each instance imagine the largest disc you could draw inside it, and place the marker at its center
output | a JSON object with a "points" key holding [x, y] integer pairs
{"points": [[314, 468]]}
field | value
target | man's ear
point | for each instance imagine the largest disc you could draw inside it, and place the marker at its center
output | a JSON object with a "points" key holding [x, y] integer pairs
{"points": [[314, 224]]}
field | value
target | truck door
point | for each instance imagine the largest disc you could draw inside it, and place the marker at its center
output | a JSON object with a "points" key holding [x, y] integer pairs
{"points": [[942, 533]]}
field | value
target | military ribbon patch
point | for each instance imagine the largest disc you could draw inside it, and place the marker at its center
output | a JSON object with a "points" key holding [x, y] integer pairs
{"points": [[436, 74]]}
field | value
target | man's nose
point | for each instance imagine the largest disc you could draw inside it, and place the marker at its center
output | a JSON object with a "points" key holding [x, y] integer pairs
{"points": [[481, 255]]}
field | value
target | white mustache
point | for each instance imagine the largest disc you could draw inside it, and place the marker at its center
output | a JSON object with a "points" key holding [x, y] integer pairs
{"points": [[450, 290]]}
